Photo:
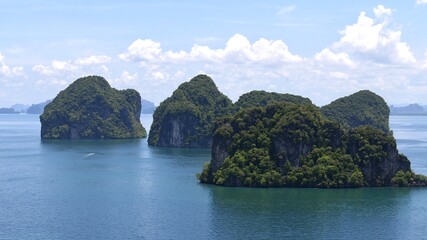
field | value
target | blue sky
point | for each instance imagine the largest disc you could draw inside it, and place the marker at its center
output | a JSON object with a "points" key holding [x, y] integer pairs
{"points": [[319, 49]]}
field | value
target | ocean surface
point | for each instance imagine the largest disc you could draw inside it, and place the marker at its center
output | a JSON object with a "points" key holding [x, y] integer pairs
{"points": [[123, 189]]}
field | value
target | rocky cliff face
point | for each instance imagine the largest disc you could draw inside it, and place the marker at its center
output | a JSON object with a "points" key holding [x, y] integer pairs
{"points": [[376, 154], [186, 118], [91, 109], [180, 130]]}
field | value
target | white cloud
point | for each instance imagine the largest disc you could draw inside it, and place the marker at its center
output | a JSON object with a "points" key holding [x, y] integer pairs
{"points": [[237, 49], [126, 79], [421, 2], [380, 10], [329, 57], [369, 54], [7, 71], [44, 70], [142, 50], [159, 75], [93, 60], [63, 66], [55, 67], [51, 82], [373, 40]]}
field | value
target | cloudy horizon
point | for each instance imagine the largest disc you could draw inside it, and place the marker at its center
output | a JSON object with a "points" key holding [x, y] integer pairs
{"points": [[154, 47]]}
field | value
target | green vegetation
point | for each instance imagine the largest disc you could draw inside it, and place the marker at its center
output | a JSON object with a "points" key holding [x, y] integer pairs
{"points": [[358, 109], [409, 179], [186, 118], [292, 145], [91, 108], [263, 98]]}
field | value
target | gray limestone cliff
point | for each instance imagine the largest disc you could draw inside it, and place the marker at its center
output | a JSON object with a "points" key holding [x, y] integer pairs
{"points": [[186, 118]]}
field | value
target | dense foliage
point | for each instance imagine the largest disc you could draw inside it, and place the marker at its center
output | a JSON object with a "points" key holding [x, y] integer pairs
{"points": [[186, 118], [409, 179], [285, 144], [358, 109], [263, 98], [91, 108]]}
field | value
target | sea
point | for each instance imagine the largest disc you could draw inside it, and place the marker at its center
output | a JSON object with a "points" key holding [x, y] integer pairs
{"points": [[124, 189]]}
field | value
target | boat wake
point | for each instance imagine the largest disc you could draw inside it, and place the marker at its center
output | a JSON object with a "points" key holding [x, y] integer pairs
{"points": [[88, 155]]}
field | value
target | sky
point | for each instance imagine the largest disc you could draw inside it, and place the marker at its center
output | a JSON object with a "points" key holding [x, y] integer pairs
{"points": [[318, 49]]}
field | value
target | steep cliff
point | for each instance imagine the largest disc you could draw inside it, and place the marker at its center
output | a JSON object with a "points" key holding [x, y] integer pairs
{"points": [[91, 109], [358, 109], [285, 144], [186, 118]]}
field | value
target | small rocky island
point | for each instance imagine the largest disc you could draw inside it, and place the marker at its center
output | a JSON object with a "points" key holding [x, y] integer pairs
{"points": [[91, 109], [186, 118], [283, 144]]}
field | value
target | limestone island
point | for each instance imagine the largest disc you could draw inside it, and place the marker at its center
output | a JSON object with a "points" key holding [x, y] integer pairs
{"points": [[296, 144], [186, 118], [91, 109]]}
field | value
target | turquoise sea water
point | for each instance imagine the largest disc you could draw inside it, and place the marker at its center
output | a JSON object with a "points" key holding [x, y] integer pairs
{"points": [[127, 190]]}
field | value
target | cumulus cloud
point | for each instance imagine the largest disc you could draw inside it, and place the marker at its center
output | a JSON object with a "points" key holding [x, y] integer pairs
{"points": [[126, 78], [373, 39], [368, 54], [380, 11], [55, 67], [329, 57], [237, 49], [49, 82], [421, 2], [142, 50], [7, 71], [93, 60]]}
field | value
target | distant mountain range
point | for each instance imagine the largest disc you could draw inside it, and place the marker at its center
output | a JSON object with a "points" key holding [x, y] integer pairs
{"points": [[147, 108], [411, 109]]}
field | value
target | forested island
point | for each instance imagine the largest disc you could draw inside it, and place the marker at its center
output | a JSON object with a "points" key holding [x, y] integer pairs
{"points": [[91, 109], [186, 118], [344, 144], [290, 145], [265, 139]]}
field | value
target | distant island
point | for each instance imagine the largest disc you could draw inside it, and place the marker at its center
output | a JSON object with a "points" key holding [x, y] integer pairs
{"points": [[147, 107], [91, 109], [411, 109], [22, 108], [8, 111], [38, 108]]}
